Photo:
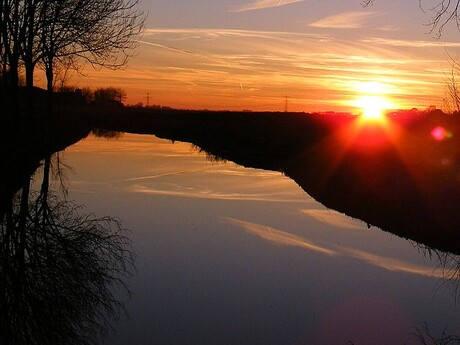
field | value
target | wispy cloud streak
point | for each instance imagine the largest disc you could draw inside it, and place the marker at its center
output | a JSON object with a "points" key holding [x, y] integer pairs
{"points": [[264, 4], [347, 20], [410, 43], [177, 50], [205, 68]]}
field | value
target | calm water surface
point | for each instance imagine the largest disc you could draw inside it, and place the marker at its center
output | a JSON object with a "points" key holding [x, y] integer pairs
{"points": [[232, 255]]}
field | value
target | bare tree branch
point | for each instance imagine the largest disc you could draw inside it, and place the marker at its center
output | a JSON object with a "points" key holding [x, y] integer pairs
{"points": [[443, 12]]}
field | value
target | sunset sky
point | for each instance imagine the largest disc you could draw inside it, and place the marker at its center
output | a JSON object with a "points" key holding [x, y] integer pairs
{"points": [[252, 54]]}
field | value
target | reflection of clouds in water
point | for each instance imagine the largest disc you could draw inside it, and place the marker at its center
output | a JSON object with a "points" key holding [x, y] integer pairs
{"points": [[168, 174], [237, 171], [334, 218], [213, 171], [179, 170], [220, 183], [202, 193], [136, 145], [81, 187], [391, 264], [280, 237]]}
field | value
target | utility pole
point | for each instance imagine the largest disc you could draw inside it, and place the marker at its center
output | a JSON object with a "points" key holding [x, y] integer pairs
{"points": [[286, 104], [148, 99]]}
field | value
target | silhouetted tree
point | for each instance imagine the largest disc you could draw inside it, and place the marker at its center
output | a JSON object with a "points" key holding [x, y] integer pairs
{"points": [[20, 26], [88, 94], [12, 32], [50, 32], [101, 32], [12, 35], [109, 95], [452, 100]]}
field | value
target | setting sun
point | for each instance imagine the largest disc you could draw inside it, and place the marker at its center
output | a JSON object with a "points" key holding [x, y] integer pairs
{"points": [[373, 107]]}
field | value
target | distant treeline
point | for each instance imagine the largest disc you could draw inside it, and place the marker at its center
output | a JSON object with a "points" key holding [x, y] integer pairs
{"points": [[102, 96]]}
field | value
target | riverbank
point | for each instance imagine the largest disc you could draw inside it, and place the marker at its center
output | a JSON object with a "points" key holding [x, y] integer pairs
{"points": [[401, 175], [24, 146]]}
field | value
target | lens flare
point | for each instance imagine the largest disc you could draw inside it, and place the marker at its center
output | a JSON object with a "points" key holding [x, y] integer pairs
{"points": [[440, 133]]}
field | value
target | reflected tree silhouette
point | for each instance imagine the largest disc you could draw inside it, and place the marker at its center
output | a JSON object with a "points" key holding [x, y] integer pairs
{"points": [[60, 268], [424, 336], [101, 133], [448, 263], [211, 158]]}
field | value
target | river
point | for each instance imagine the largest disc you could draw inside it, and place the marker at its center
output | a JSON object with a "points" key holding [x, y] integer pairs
{"points": [[233, 255]]}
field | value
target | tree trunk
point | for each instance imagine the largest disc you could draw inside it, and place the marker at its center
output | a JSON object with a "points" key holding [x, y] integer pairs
{"points": [[30, 88], [49, 87], [12, 86], [44, 190], [29, 57], [22, 223]]}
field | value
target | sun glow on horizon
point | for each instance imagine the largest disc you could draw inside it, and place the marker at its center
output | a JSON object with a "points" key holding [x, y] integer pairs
{"points": [[373, 100], [373, 107]]}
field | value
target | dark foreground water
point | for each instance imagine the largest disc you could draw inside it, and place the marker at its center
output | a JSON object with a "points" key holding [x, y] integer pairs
{"points": [[232, 255]]}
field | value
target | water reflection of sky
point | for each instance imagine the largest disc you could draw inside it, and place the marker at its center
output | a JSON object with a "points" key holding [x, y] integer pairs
{"points": [[232, 255]]}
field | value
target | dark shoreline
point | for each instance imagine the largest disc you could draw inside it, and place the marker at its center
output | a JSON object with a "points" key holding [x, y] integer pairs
{"points": [[22, 148], [410, 187]]}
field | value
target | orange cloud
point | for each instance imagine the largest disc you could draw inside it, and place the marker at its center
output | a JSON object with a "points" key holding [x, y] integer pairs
{"points": [[206, 69]]}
